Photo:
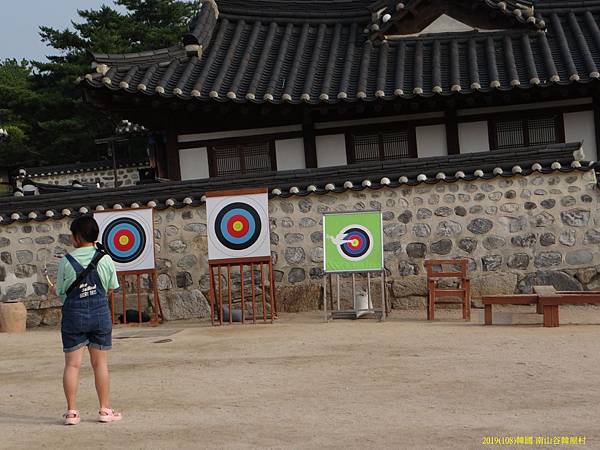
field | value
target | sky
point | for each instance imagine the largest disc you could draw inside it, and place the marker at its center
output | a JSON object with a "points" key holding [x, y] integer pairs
{"points": [[20, 21]]}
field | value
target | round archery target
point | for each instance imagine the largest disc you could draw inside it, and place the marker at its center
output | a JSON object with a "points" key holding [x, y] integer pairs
{"points": [[238, 226], [124, 240], [128, 237], [355, 242]]}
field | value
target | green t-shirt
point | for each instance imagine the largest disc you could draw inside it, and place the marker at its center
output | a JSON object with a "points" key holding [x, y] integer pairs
{"points": [[84, 255]]}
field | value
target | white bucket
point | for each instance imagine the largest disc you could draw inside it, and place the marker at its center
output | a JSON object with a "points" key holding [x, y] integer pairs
{"points": [[361, 302]]}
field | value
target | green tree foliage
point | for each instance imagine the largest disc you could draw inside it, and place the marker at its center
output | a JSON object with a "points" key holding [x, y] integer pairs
{"points": [[43, 101]]}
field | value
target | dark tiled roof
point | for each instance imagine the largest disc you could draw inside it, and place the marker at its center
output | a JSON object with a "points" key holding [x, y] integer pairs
{"points": [[446, 169], [314, 52], [91, 166]]}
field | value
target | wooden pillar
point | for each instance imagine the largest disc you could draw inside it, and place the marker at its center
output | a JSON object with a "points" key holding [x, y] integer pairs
{"points": [[452, 141], [173, 169], [310, 143], [588, 154]]}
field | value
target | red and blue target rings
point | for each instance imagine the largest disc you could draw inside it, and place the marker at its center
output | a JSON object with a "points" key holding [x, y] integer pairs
{"points": [[124, 240], [238, 226], [355, 242]]}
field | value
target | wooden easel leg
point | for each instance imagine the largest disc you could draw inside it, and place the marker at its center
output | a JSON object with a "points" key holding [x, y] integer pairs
{"points": [[264, 292], [253, 294], [229, 294], [211, 294], [124, 297], [272, 282], [487, 314], [243, 302], [139, 298], [551, 316], [220, 296]]}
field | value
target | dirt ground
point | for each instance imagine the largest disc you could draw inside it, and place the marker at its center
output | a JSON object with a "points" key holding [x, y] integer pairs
{"points": [[306, 384]]}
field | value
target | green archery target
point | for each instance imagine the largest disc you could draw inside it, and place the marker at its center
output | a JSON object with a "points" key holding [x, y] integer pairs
{"points": [[353, 242]]}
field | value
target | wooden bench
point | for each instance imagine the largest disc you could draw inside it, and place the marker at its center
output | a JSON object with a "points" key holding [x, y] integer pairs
{"points": [[546, 299]]}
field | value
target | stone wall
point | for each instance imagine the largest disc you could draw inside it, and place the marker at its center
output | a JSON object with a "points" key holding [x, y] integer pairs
{"points": [[516, 232], [126, 177]]}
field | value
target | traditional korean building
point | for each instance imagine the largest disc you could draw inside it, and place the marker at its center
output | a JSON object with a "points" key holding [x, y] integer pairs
{"points": [[472, 125]]}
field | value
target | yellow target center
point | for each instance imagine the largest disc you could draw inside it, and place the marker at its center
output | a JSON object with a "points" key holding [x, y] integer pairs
{"points": [[354, 242], [237, 226], [123, 240]]}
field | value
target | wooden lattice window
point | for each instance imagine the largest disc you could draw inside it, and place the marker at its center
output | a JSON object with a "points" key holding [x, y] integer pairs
{"points": [[382, 146], [506, 133], [242, 159]]}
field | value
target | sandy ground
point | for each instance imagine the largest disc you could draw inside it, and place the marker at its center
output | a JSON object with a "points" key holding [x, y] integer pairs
{"points": [[302, 383]]}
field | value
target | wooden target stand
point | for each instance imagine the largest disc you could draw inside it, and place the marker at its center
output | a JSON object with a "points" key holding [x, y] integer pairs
{"points": [[156, 317], [221, 293]]}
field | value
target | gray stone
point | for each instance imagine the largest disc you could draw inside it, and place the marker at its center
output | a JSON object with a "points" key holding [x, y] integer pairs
{"points": [[424, 213], [394, 230], [514, 224], [359, 206], [443, 211], [449, 198], [544, 260], [26, 241], [480, 226], [434, 199], [568, 201], [495, 196], [164, 282], [25, 270], [529, 206], [186, 305], [162, 264], [547, 239], [177, 246], [544, 219], [586, 198], [416, 250], [187, 262], [328, 199], [549, 203], [16, 292], [171, 230], [293, 238], [387, 216], [592, 236], [441, 247], [493, 242], [40, 289], [479, 197], [287, 207], [305, 205], [465, 198], [24, 256], [510, 195], [476, 209], [274, 238], [470, 188], [183, 279], [406, 269], [316, 255], [518, 261], [417, 201], [4, 242], [567, 237], [467, 244], [491, 210], [579, 257], [487, 187], [573, 189], [6, 257], [307, 222], [449, 228], [374, 204], [42, 228], [195, 227], [491, 263], [393, 247], [27, 229], [287, 222], [316, 273], [421, 230], [390, 203], [2, 273], [575, 217], [187, 215], [294, 255], [316, 237], [509, 207], [65, 239], [540, 192], [296, 275], [560, 280], [43, 240], [460, 211], [526, 240]]}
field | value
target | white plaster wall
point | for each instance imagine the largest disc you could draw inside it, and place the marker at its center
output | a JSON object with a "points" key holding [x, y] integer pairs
{"points": [[473, 137], [431, 141], [290, 154], [193, 163], [579, 126], [331, 150]]}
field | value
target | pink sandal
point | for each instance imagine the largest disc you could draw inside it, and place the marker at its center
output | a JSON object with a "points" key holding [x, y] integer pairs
{"points": [[72, 417], [106, 415]]}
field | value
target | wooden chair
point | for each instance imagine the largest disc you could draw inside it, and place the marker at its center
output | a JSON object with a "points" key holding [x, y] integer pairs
{"points": [[435, 291]]}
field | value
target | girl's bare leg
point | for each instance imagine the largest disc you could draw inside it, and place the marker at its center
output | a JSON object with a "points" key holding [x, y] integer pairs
{"points": [[71, 376], [99, 360]]}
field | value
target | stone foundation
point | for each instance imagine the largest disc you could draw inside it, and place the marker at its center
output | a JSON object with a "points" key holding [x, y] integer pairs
{"points": [[105, 178], [515, 231]]}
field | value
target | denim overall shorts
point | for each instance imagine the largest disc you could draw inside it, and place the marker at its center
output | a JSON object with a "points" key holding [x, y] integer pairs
{"points": [[86, 318]]}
